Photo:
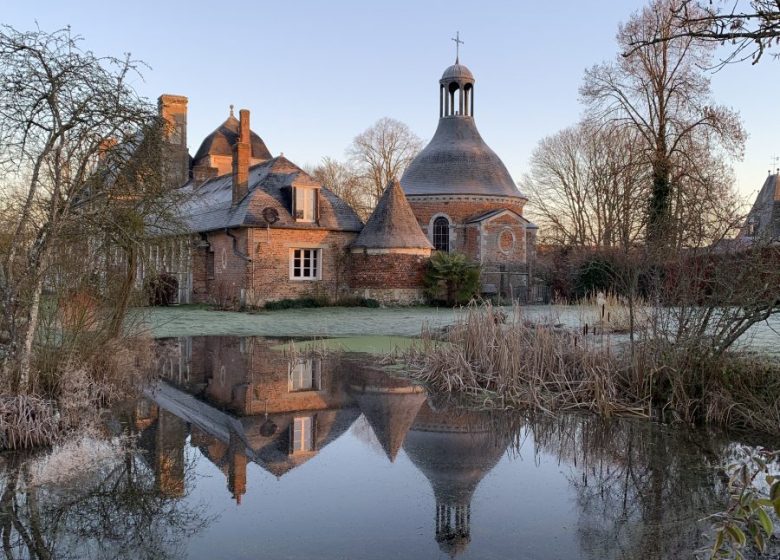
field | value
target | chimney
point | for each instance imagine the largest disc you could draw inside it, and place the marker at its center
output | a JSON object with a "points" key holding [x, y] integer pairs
{"points": [[105, 147], [241, 156], [202, 173], [173, 112]]}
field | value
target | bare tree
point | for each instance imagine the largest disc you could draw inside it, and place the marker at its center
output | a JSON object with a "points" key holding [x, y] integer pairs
{"points": [[750, 27], [661, 92], [70, 123], [588, 187], [347, 183], [382, 152]]}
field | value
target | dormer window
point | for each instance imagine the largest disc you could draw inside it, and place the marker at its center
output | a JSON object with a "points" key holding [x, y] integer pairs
{"points": [[305, 204]]}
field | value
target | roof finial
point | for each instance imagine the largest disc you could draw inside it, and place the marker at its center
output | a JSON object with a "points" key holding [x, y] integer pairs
{"points": [[231, 109], [458, 43]]}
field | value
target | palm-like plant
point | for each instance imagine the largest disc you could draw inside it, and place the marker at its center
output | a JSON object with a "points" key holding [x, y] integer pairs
{"points": [[451, 278]]}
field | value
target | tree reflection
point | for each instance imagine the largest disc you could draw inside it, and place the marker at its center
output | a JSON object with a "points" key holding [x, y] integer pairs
{"points": [[114, 509], [642, 490]]}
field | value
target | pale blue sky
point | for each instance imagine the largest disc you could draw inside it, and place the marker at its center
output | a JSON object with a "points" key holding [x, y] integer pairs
{"points": [[316, 73]]}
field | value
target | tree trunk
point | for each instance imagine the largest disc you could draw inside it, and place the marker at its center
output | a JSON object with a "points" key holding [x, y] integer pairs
{"points": [[25, 358]]}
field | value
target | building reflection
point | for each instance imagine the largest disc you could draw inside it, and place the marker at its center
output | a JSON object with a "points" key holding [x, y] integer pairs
{"points": [[249, 401], [454, 451]]}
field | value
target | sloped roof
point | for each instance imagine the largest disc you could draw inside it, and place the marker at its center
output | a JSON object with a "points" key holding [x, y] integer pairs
{"points": [[211, 205], [765, 212], [493, 213], [392, 225], [458, 161], [221, 141]]}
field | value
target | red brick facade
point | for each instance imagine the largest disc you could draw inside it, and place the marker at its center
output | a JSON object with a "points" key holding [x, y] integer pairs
{"points": [[256, 267]]}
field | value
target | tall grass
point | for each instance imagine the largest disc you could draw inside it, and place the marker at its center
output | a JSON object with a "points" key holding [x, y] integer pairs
{"points": [[516, 364]]}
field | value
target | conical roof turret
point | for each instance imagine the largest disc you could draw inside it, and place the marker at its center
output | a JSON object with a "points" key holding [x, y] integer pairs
{"points": [[392, 225]]}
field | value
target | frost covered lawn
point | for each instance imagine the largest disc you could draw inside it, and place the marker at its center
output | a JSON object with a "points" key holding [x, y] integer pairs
{"points": [[319, 322], [365, 322]]}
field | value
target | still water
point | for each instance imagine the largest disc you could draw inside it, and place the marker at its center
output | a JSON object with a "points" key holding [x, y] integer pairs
{"points": [[245, 451]]}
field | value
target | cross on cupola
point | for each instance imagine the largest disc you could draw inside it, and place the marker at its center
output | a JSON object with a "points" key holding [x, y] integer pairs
{"points": [[456, 93], [458, 43]]}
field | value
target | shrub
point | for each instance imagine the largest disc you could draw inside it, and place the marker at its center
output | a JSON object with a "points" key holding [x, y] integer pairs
{"points": [[161, 289], [300, 303], [451, 278]]}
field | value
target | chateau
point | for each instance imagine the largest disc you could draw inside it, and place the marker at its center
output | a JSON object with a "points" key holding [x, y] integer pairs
{"points": [[258, 228]]}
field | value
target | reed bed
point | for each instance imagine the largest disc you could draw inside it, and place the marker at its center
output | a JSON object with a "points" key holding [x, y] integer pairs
{"points": [[495, 360]]}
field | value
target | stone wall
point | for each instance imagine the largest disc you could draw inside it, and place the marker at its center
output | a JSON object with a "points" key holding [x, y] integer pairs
{"points": [[502, 241]]}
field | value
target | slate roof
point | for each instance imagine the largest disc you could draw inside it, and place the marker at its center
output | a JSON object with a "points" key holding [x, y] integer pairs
{"points": [[457, 161], [210, 206], [221, 142], [392, 225]]}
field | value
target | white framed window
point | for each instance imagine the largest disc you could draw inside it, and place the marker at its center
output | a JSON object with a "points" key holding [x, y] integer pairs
{"points": [[302, 439], [305, 206], [305, 264], [305, 375]]}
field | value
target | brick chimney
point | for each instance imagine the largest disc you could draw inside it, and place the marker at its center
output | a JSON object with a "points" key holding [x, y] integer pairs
{"points": [[242, 153], [173, 110]]}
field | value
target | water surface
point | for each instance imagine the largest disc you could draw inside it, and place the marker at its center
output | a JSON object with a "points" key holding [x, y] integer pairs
{"points": [[244, 451]]}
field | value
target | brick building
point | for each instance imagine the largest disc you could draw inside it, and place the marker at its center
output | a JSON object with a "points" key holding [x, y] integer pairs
{"points": [[257, 228]]}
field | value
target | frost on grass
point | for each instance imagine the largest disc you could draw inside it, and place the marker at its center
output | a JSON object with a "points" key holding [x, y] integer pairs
{"points": [[75, 458]]}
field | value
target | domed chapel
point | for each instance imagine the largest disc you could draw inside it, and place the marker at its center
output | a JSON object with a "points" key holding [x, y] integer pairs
{"points": [[259, 228]]}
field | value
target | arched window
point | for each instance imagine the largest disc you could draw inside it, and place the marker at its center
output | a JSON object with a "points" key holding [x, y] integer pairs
{"points": [[441, 234]]}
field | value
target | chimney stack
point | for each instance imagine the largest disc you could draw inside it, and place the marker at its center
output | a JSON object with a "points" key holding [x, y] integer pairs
{"points": [[173, 111], [242, 153]]}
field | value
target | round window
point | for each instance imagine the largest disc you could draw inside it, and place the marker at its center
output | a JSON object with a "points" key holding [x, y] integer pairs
{"points": [[506, 241]]}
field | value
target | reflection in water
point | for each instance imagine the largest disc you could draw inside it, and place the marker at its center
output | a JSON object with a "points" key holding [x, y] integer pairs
{"points": [[468, 481], [454, 452], [124, 504]]}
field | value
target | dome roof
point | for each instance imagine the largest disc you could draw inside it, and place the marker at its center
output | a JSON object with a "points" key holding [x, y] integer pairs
{"points": [[457, 72], [221, 142], [457, 161]]}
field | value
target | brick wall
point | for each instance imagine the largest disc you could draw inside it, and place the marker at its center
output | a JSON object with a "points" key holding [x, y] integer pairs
{"points": [[271, 252], [459, 211], [388, 270], [389, 278], [267, 276]]}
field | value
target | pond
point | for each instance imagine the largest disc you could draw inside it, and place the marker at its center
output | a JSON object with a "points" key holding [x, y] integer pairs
{"points": [[249, 449]]}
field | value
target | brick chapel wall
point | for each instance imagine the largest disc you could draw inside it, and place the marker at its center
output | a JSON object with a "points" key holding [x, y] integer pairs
{"points": [[271, 252], [459, 211]]}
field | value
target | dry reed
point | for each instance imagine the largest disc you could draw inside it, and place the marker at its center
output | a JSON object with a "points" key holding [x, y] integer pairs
{"points": [[534, 367]]}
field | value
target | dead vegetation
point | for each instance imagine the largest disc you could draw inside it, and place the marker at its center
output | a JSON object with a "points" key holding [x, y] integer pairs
{"points": [[532, 367]]}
